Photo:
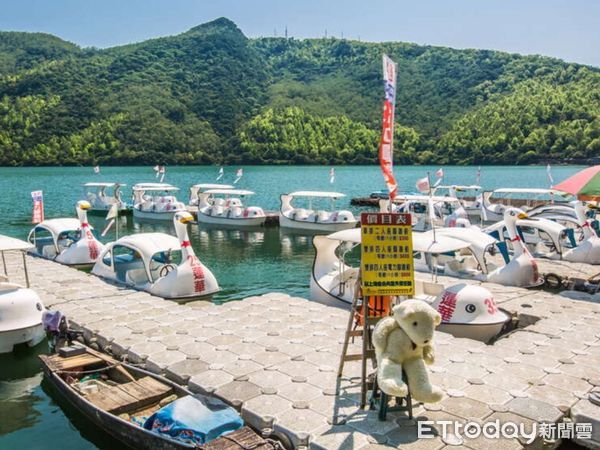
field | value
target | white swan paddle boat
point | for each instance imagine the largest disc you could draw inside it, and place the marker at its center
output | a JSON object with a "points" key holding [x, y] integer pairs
{"points": [[463, 193], [521, 269], [21, 308], [102, 196], [224, 207], [199, 188], [158, 263], [427, 211], [588, 249], [314, 220], [494, 203], [155, 201], [467, 311], [550, 239], [67, 241]]}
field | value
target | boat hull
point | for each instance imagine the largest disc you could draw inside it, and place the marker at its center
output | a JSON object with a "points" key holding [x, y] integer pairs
{"points": [[478, 332], [84, 266], [153, 215], [286, 222], [241, 222], [134, 437], [31, 336]]}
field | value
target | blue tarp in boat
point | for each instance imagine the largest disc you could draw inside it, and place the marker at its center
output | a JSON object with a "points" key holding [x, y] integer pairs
{"points": [[194, 419]]}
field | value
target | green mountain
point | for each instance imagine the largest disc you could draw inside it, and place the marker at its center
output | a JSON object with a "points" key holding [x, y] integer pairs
{"points": [[210, 95]]}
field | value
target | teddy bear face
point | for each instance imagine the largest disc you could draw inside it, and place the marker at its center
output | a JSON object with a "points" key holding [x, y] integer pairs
{"points": [[418, 320]]}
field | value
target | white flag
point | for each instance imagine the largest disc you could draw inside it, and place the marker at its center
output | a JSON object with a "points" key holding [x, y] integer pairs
{"points": [[113, 211], [332, 175], [96, 169], [156, 170], [239, 174], [549, 173], [221, 173], [423, 184]]}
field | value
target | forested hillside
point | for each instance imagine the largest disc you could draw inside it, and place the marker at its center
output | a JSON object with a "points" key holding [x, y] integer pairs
{"points": [[211, 95]]}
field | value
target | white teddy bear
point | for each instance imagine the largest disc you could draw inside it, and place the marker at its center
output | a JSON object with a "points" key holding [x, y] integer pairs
{"points": [[404, 341]]}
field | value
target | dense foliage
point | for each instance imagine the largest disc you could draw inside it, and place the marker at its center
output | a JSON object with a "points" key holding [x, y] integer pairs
{"points": [[211, 95]]}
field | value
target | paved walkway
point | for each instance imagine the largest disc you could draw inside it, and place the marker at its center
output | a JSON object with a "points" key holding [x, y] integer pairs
{"points": [[275, 357]]}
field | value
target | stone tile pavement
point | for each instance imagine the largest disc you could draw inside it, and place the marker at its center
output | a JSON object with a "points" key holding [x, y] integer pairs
{"points": [[275, 356]]}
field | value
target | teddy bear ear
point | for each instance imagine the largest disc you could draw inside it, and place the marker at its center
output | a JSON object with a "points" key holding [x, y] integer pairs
{"points": [[403, 310], [437, 318]]}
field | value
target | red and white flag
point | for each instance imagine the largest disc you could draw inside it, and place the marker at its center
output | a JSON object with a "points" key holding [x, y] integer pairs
{"points": [[386, 145], [96, 169], [162, 170], [238, 175], [423, 184], [332, 175], [37, 214], [439, 173]]}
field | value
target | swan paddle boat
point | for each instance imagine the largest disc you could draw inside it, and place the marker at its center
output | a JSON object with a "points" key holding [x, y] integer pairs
{"points": [[468, 195], [494, 203], [588, 249], [199, 188], [314, 220], [521, 269], [102, 196], [224, 207], [155, 201], [67, 241], [429, 211], [158, 263], [467, 311], [20, 307]]}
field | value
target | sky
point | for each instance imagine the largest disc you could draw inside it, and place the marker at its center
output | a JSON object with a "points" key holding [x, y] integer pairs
{"points": [[567, 29]]}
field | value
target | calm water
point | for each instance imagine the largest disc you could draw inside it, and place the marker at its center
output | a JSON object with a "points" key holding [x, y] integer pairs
{"points": [[245, 262]]}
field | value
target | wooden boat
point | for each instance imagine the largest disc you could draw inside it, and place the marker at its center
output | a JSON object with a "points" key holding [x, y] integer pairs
{"points": [[120, 399]]}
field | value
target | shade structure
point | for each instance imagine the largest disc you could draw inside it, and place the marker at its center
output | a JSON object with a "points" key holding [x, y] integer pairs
{"points": [[584, 184]]}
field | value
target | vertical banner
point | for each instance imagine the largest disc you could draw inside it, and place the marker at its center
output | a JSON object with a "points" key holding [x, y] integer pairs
{"points": [[386, 145], [37, 214], [386, 261]]}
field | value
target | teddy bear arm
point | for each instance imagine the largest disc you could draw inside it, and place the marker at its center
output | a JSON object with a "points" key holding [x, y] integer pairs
{"points": [[428, 354]]}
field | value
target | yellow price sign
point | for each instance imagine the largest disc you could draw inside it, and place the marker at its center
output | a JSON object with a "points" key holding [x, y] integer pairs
{"points": [[386, 261]]}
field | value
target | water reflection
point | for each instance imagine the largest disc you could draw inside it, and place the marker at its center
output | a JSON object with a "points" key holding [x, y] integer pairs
{"points": [[19, 377]]}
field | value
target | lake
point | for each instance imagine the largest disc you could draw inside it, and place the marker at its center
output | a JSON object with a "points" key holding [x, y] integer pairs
{"points": [[244, 262]]}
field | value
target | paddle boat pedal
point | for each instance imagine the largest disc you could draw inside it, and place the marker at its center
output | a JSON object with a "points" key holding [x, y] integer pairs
{"points": [[380, 401]]}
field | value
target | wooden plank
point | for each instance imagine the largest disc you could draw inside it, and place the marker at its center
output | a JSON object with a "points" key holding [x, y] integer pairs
{"points": [[153, 384], [241, 439], [112, 400], [111, 361], [61, 363], [129, 396], [359, 356], [143, 390]]}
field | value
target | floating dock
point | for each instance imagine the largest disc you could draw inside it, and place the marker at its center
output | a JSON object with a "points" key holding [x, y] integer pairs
{"points": [[274, 357]]}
